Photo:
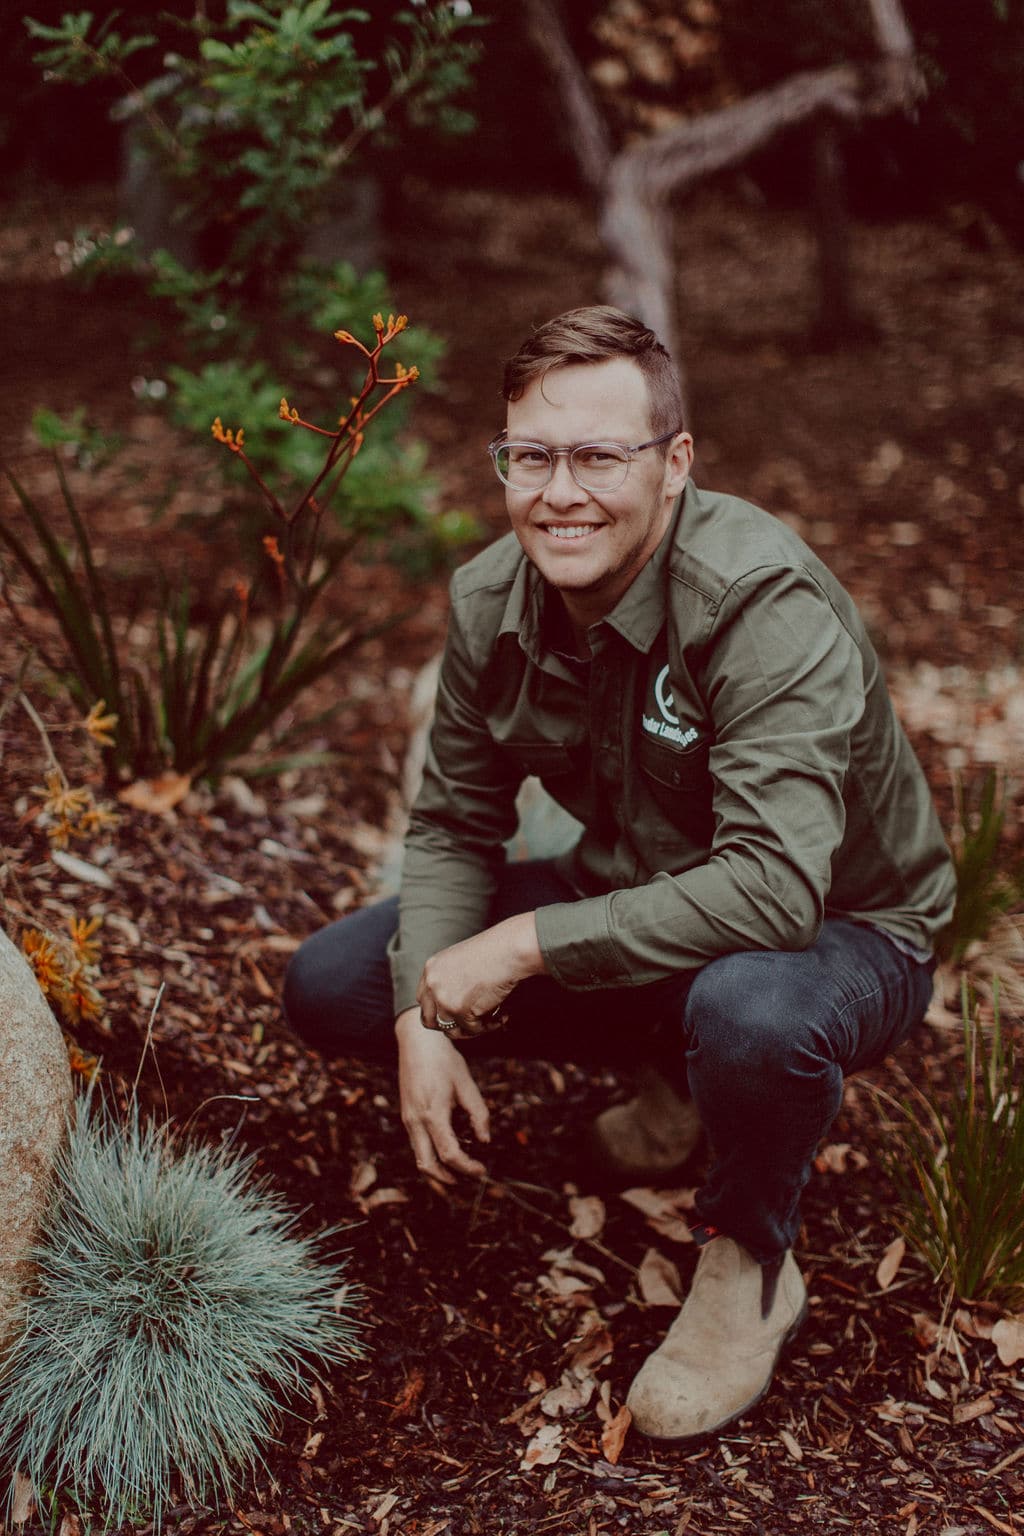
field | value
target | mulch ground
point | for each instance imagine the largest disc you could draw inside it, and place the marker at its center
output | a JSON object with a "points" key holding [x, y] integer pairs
{"points": [[902, 461]]}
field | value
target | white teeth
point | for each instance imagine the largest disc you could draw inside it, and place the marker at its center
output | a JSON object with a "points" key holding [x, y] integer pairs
{"points": [[570, 530]]}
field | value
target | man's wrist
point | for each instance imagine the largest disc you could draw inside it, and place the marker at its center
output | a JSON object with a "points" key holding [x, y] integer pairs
{"points": [[409, 1018], [520, 933]]}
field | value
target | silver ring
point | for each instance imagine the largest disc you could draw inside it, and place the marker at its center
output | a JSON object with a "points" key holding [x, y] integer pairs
{"points": [[446, 1024]]}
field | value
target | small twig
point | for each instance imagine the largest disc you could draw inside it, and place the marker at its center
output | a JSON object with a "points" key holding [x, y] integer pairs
{"points": [[147, 1044], [509, 1186], [214, 1098], [51, 756]]}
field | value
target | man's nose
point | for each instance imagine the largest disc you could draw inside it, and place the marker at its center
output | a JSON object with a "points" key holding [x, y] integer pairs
{"points": [[562, 489]]}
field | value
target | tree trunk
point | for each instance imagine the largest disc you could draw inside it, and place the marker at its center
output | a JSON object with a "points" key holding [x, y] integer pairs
{"points": [[838, 316], [635, 185]]}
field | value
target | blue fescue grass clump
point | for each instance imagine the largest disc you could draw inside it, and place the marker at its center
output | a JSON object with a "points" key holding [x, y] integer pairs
{"points": [[174, 1308]]}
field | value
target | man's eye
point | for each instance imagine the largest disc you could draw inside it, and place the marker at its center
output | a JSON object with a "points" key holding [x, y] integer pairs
{"points": [[595, 458], [528, 458]]}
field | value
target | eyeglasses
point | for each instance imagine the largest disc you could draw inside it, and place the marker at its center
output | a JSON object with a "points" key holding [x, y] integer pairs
{"points": [[593, 466]]}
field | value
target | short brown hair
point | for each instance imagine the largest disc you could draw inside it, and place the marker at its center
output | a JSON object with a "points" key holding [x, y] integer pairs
{"points": [[594, 335]]}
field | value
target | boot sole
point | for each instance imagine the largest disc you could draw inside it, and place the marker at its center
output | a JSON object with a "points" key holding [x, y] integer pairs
{"points": [[713, 1429]]}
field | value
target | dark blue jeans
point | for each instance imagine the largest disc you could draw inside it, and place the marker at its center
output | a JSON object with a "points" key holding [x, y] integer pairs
{"points": [[761, 1039]]}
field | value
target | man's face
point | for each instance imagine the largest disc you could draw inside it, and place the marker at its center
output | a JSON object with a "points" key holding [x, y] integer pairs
{"points": [[591, 545]]}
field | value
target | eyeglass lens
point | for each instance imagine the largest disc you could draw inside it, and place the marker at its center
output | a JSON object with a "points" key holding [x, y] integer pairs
{"points": [[529, 466]]}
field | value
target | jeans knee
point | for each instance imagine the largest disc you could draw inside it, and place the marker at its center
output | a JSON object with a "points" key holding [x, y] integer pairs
{"points": [[337, 989], [299, 994], [753, 1014]]}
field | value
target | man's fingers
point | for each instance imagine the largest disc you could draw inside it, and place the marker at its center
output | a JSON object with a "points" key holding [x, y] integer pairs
{"points": [[426, 1158], [473, 1102], [437, 1150], [451, 1153]]}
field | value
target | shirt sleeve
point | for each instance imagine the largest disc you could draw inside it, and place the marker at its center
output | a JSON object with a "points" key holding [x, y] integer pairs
{"points": [[461, 819], [783, 681]]}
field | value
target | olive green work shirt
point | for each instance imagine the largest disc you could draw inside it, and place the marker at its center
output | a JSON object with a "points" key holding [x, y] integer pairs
{"points": [[730, 749]]}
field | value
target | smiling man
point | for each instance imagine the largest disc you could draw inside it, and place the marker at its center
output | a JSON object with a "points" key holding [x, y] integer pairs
{"points": [[750, 909]]}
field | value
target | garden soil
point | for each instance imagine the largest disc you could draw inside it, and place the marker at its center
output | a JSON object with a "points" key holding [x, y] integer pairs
{"points": [[505, 1318]]}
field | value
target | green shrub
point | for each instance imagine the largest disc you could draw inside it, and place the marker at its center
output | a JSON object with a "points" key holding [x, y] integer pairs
{"points": [[216, 680], [174, 1307], [250, 116], [958, 1169]]}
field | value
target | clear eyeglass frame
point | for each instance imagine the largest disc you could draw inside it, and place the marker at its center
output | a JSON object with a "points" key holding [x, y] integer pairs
{"points": [[607, 476]]}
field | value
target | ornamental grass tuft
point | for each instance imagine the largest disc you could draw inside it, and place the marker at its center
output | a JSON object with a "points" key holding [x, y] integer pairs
{"points": [[958, 1168], [173, 1311]]}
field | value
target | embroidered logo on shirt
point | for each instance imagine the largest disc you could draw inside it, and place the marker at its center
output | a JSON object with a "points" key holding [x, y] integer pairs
{"points": [[667, 728]]}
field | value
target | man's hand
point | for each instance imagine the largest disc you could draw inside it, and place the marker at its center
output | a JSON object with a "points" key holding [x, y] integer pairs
{"points": [[467, 983], [433, 1077]]}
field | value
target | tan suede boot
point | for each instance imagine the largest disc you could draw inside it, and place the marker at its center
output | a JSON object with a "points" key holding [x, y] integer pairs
{"points": [[719, 1355], [648, 1137]]}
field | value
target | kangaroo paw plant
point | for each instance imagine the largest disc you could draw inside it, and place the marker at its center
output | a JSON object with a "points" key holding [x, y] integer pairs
{"points": [[173, 1310]]}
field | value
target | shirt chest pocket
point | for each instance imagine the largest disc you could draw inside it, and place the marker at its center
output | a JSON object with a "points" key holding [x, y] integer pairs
{"points": [[681, 786]]}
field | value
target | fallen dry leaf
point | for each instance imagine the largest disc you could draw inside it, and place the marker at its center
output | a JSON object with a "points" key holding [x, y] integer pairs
{"points": [[890, 1262], [658, 1280], [973, 1325], [158, 796], [561, 1284], [573, 1392], [384, 1197], [70, 1525], [545, 1447], [839, 1157], [364, 1176], [614, 1434], [23, 1500], [663, 1209], [602, 1406], [312, 1445], [926, 1330], [565, 1260], [1008, 1337], [595, 1345], [588, 1215]]}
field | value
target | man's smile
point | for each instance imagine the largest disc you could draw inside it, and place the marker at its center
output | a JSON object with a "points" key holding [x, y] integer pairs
{"points": [[566, 531]]}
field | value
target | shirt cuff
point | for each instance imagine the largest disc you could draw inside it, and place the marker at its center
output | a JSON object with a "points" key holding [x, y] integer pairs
{"points": [[577, 946], [405, 977]]}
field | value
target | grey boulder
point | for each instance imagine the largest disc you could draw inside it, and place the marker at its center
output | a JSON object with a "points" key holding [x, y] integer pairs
{"points": [[35, 1100]]}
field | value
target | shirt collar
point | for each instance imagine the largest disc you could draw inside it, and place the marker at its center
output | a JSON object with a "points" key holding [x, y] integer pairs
{"points": [[638, 616]]}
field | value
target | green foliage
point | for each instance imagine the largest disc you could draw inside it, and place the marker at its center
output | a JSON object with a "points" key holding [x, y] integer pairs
{"points": [[75, 437], [174, 1306], [218, 678], [250, 121], [985, 887], [959, 1170]]}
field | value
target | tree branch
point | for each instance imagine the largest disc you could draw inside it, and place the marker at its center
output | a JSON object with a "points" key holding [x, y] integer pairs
{"points": [[635, 185], [588, 132]]}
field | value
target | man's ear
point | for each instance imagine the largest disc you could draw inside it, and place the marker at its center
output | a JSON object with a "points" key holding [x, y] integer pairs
{"points": [[678, 462]]}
